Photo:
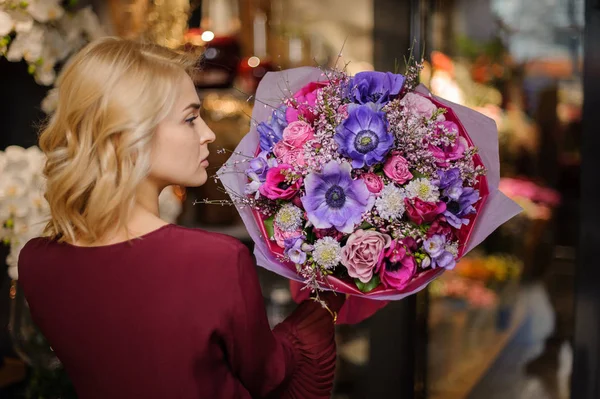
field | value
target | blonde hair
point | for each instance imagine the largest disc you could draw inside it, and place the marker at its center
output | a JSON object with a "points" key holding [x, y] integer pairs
{"points": [[111, 97]]}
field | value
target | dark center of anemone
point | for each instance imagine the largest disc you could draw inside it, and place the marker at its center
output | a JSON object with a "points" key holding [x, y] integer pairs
{"points": [[366, 141], [374, 97], [453, 207], [283, 185], [391, 266], [335, 197]]}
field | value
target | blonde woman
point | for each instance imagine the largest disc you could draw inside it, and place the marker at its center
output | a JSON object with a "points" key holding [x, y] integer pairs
{"points": [[135, 307]]}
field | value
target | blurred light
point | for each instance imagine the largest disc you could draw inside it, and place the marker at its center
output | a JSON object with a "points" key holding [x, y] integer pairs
{"points": [[211, 53], [253, 61], [207, 36]]}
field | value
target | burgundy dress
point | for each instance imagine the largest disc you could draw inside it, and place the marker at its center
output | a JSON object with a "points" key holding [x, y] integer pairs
{"points": [[176, 314]]}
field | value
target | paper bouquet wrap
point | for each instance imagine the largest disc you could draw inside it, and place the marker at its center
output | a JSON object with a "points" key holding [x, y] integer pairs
{"points": [[365, 185]]}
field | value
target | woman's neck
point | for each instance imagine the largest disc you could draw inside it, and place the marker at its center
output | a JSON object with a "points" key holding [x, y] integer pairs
{"points": [[143, 219]]}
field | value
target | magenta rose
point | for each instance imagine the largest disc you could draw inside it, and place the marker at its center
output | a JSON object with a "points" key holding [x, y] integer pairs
{"points": [[330, 232], [396, 266], [362, 252], [439, 227], [304, 100], [421, 212], [275, 186], [373, 182], [446, 153], [419, 106], [396, 168], [297, 133]]}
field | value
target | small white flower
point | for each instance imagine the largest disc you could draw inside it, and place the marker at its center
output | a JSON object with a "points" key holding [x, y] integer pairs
{"points": [[50, 102], [89, 23], [169, 205], [452, 248], [13, 271], [45, 10], [23, 22], [27, 45], [327, 252], [6, 23], [289, 217], [390, 203], [422, 189]]}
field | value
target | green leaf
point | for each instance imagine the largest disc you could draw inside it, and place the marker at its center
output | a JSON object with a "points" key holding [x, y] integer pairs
{"points": [[269, 227], [416, 174], [367, 287], [310, 235], [365, 226]]}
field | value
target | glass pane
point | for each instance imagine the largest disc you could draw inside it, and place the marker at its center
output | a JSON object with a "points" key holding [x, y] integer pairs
{"points": [[501, 324]]}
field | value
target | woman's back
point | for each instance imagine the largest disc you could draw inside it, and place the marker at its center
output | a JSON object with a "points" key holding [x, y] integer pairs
{"points": [[149, 319]]}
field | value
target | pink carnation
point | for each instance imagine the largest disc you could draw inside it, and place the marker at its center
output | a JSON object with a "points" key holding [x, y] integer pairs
{"points": [[418, 105]]}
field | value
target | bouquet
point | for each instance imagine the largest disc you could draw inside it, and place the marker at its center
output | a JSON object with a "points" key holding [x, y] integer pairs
{"points": [[365, 185]]}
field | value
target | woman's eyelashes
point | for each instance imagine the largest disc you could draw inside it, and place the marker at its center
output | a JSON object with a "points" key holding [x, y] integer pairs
{"points": [[191, 119]]}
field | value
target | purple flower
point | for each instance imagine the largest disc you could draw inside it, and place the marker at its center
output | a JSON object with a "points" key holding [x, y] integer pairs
{"points": [[375, 87], [456, 210], [364, 136], [438, 255], [293, 249], [450, 182], [270, 133], [260, 165], [333, 199]]}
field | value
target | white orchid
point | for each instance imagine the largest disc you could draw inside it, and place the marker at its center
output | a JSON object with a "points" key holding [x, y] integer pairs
{"points": [[6, 23], [45, 10], [23, 209], [45, 34], [27, 45], [50, 102]]}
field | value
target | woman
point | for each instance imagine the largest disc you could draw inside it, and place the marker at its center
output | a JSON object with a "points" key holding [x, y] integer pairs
{"points": [[135, 307]]}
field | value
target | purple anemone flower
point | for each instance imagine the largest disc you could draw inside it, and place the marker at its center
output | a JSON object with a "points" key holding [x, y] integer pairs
{"points": [[333, 199], [270, 133], [375, 87], [456, 210], [364, 136]]}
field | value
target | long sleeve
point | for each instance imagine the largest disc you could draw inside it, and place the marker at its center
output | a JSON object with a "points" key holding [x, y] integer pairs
{"points": [[295, 360]]}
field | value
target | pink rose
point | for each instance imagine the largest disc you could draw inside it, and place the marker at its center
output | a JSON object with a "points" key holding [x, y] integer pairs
{"points": [[304, 101], [289, 155], [396, 266], [419, 105], [396, 168], [362, 252], [373, 182], [281, 149], [421, 212], [297, 133], [281, 236], [275, 186]]}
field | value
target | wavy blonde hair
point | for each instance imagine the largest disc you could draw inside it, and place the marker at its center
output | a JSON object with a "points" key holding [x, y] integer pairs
{"points": [[111, 97]]}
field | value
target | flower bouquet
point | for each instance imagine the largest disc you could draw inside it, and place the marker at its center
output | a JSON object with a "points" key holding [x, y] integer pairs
{"points": [[364, 185]]}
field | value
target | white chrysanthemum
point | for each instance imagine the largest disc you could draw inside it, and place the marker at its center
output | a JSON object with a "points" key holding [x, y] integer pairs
{"points": [[453, 248], [289, 218], [390, 204], [422, 189], [327, 252]]}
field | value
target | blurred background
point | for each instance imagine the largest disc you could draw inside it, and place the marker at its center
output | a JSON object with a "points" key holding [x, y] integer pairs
{"points": [[500, 326]]}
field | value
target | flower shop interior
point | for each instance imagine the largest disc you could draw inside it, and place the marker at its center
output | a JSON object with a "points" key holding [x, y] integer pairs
{"points": [[503, 323]]}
